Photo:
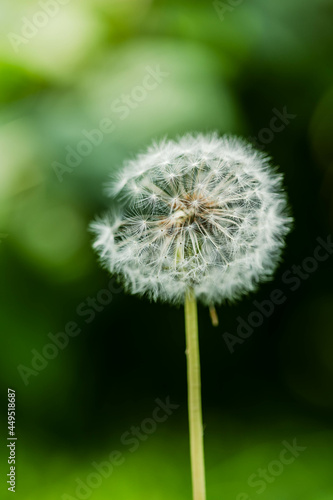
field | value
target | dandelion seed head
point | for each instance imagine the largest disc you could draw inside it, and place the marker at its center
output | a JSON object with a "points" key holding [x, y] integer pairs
{"points": [[203, 212]]}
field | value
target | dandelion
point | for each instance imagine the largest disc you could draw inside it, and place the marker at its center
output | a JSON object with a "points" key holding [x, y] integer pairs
{"points": [[202, 218]]}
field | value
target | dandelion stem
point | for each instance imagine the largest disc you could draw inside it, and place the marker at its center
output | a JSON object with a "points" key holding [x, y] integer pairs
{"points": [[194, 397]]}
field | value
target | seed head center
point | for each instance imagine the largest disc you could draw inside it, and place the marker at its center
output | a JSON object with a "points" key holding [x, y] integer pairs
{"points": [[189, 209]]}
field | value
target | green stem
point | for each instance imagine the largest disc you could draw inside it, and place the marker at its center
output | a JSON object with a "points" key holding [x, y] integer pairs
{"points": [[194, 397]]}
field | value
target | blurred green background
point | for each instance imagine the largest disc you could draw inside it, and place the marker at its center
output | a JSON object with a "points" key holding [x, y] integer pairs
{"points": [[68, 67]]}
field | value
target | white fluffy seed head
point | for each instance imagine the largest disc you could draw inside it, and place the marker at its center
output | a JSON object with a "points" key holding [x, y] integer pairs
{"points": [[203, 212]]}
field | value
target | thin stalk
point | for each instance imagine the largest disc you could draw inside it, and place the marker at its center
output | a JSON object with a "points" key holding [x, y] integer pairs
{"points": [[194, 397]]}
